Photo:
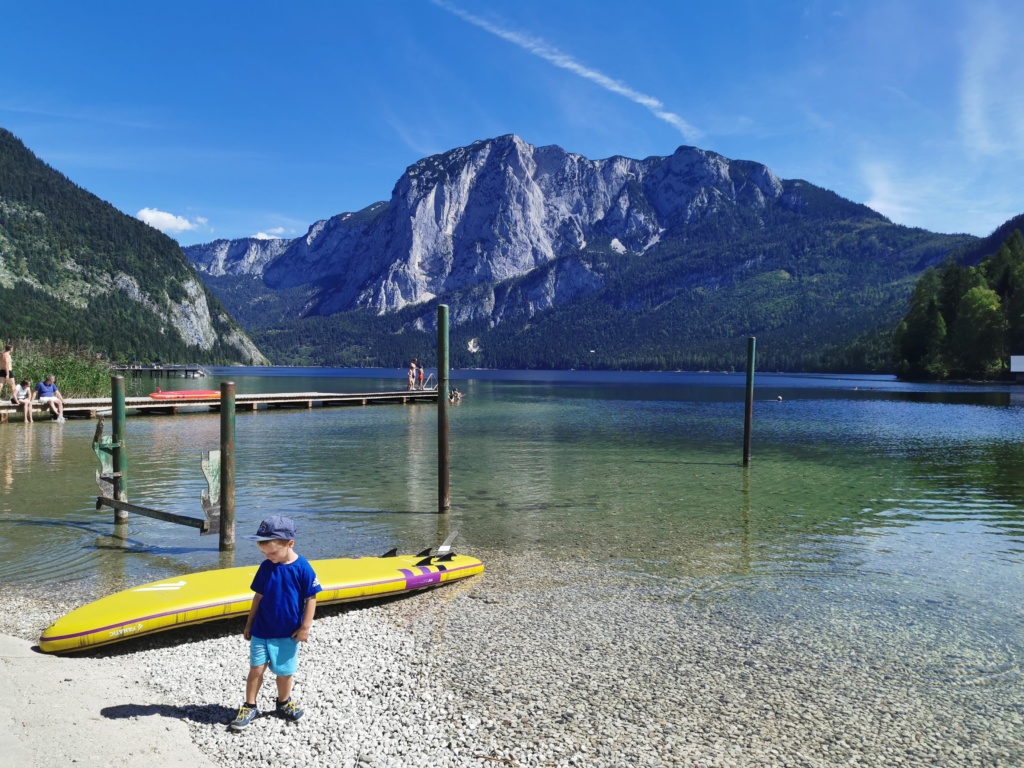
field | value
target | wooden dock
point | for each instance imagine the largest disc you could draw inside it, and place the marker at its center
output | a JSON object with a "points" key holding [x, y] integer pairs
{"points": [[90, 407]]}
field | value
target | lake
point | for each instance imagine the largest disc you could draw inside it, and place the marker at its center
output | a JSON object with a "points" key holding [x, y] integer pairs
{"points": [[865, 498]]}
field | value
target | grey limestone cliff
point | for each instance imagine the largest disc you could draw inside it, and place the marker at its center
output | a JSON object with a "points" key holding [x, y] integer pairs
{"points": [[478, 216]]}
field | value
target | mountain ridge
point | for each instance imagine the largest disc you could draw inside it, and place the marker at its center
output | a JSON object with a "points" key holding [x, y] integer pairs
{"points": [[518, 238]]}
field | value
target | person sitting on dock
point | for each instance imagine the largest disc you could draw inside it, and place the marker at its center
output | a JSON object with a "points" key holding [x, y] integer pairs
{"points": [[23, 397], [49, 394]]}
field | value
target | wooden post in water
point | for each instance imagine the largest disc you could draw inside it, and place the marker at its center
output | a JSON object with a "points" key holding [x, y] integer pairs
{"points": [[227, 466], [444, 491], [118, 452], [748, 422]]}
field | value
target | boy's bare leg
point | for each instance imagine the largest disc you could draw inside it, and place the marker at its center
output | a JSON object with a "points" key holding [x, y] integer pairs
{"points": [[253, 683]]}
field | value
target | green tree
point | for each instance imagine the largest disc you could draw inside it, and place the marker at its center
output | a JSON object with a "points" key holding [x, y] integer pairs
{"points": [[920, 339], [1006, 277], [1014, 306], [956, 281], [978, 335]]}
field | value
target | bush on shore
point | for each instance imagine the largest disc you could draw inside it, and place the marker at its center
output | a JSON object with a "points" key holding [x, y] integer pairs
{"points": [[78, 372]]}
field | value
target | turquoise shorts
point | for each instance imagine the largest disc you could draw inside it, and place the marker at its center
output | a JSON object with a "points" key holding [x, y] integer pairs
{"points": [[281, 653]]}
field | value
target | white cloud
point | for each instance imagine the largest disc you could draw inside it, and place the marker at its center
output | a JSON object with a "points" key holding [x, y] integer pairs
{"points": [[169, 223], [273, 234], [931, 200], [886, 195], [991, 102], [549, 53]]}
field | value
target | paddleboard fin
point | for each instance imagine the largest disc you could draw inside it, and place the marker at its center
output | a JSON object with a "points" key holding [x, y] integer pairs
{"points": [[446, 547], [393, 552], [444, 552]]}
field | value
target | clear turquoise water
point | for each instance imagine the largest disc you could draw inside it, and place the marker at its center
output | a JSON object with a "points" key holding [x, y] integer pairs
{"points": [[863, 492]]}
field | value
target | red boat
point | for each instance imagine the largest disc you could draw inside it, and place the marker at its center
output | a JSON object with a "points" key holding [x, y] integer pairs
{"points": [[185, 394]]}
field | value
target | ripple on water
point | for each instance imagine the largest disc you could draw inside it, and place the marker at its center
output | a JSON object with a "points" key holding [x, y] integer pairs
{"points": [[49, 547]]}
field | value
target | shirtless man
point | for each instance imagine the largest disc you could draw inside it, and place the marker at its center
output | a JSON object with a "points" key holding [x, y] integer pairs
{"points": [[7, 369]]}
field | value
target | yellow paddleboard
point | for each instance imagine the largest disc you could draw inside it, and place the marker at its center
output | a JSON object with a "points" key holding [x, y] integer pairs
{"points": [[224, 593]]}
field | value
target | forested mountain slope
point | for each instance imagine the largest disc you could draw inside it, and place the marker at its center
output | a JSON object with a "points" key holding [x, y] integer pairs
{"points": [[75, 269]]}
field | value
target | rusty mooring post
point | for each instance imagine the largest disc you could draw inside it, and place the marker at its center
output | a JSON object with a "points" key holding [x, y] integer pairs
{"points": [[118, 453], [748, 421], [227, 466], [444, 491]]}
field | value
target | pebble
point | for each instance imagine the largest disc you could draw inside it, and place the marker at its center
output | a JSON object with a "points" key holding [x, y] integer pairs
{"points": [[537, 663]]}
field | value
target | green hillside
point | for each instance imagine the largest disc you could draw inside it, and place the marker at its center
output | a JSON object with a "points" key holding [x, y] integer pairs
{"points": [[76, 270]]}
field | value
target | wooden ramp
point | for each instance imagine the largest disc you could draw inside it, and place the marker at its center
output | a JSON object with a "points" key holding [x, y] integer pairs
{"points": [[90, 407]]}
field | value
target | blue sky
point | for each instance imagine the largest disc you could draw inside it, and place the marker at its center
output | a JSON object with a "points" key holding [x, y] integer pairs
{"points": [[229, 119]]}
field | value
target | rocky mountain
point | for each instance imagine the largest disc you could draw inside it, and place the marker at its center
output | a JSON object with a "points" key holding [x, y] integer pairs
{"points": [[74, 269], [490, 212], [524, 242], [247, 256]]}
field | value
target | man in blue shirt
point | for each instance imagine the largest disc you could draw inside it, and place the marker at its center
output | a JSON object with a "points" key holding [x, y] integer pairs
{"points": [[48, 393]]}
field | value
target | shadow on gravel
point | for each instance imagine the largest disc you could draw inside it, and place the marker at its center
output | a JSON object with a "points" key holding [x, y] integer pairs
{"points": [[198, 713]]}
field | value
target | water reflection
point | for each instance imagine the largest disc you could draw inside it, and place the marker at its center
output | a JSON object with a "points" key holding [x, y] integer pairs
{"points": [[575, 469]]}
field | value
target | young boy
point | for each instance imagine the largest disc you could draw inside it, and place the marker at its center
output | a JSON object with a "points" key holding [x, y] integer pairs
{"points": [[280, 618]]}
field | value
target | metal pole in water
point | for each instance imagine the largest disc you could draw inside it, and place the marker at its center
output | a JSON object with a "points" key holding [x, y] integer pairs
{"points": [[118, 452], [444, 491], [227, 466], [748, 422]]}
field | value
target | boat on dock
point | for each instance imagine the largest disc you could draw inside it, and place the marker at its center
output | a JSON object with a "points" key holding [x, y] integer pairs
{"points": [[185, 394]]}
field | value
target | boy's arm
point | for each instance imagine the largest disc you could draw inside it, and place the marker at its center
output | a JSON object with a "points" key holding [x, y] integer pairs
{"points": [[252, 615], [302, 633]]}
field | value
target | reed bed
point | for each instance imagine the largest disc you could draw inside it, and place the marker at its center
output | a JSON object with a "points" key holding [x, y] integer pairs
{"points": [[79, 372]]}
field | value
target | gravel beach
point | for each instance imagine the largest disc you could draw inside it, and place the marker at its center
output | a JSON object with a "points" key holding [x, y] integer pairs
{"points": [[530, 664]]}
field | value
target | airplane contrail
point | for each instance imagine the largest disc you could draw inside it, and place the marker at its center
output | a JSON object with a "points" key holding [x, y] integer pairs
{"points": [[549, 53]]}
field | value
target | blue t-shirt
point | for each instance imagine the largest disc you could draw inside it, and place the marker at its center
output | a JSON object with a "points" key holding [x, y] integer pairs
{"points": [[284, 587], [46, 390]]}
